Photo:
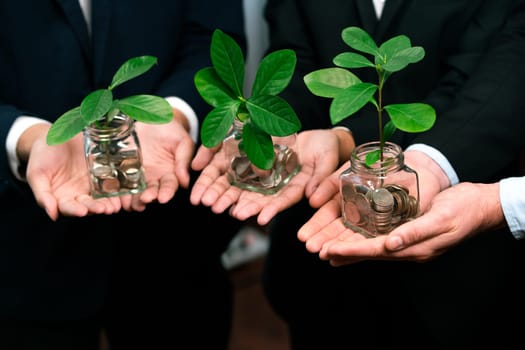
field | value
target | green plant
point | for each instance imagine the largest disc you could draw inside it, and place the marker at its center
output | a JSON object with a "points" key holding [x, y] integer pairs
{"points": [[350, 94], [100, 107], [263, 114]]}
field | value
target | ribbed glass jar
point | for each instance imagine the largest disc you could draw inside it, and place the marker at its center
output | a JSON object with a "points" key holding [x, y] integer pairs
{"points": [[243, 174], [114, 157], [377, 198]]}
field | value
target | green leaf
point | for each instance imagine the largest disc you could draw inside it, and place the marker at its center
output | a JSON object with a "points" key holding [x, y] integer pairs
{"points": [[391, 47], [403, 58], [228, 60], [211, 88], [388, 131], [329, 82], [258, 146], [351, 100], [217, 123], [274, 73], [412, 117], [359, 40], [146, 108], [372, 157], [65, 127], [273, 115], [95, 105], [132, 68], [352, 60]]}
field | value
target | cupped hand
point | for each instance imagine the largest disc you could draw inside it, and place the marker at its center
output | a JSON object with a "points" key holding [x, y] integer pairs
{"points": [[324, 233], [59, 179], [167, 150], [318, 156]]}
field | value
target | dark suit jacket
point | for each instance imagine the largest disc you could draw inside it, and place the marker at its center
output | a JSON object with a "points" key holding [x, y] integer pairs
{"points": [[48, 63], [472, 74], [477, 108]]}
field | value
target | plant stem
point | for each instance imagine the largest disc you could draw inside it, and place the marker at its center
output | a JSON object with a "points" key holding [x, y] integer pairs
{"points": [[380, 112]]}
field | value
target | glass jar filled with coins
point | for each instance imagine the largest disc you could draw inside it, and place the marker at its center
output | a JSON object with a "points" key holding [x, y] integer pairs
{"points": [[114, 157], [378, 197]]}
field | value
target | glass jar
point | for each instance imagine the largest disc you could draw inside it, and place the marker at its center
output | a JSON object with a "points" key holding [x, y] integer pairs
{"points": [[379, 197], [243, 174], [114, 157]]}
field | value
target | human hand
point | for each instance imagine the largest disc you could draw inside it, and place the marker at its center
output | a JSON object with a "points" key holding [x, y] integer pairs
{"points": [[453, 216], [59, 178], [318, 156], [326, 229], [166, 151]]}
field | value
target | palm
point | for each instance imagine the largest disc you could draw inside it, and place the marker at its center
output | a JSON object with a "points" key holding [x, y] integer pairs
{"points": [[212, 188], [60, 182], [167, 151]]}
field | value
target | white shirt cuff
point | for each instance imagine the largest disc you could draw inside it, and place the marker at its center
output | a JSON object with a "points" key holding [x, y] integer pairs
{"points": [[439, 158], [20, 125], [512, 198], [189, 113]]}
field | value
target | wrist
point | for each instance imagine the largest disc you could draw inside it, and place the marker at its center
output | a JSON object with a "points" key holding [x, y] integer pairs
{"points": [[27, 139], [346, 142]]}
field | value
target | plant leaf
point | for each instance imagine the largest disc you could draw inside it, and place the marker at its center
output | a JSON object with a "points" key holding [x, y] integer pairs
{"points": [[228, 60], [65, 127], [403, 58], [392, 46], [412, 117], [351, 100], [388, 131], [211, 88], [372, 157], [329, 82], [352, 60], [273, 115], [217, 123], [146, 108], [132, 68], [258, 146], [274, 73], [95, 105], [359, 40]]}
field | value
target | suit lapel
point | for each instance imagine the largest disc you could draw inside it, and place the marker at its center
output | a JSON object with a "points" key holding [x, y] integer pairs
{"points": [[367, 15], [101, 12], [391, 9], [75, 18]]}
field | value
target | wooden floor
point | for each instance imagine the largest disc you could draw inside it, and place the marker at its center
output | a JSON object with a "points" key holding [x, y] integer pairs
{"points": [[256, 327]]}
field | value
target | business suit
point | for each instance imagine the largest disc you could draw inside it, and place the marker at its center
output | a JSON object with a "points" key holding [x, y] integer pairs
{"points": [[471, 74], [115, 271]]}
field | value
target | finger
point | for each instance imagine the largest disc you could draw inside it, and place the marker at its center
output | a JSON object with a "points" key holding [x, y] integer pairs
{"points": [[71, 207], [206, 178], [149, 194], [315, 243], [411, 233], [326, 190], [49, 203], [183, 155], [168, 186], [355, 245], [227, 199], [203, 156], [322, 217], [95, 206]]}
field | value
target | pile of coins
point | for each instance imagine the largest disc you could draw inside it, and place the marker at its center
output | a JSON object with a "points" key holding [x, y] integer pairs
{"points": [[244, 174], [112, 173], [377, 211]]}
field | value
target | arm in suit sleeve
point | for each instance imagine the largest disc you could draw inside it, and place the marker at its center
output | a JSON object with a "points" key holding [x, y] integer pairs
{"points": [[201, 19], [481, 130]]}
